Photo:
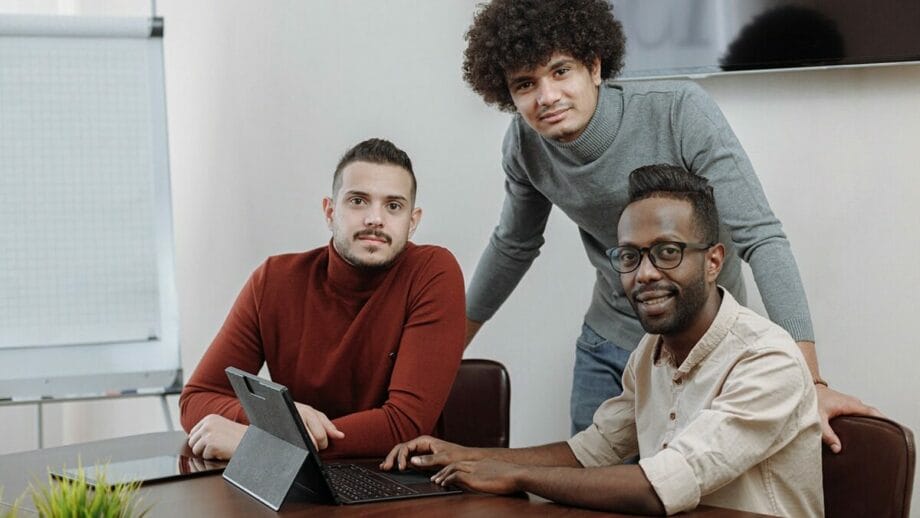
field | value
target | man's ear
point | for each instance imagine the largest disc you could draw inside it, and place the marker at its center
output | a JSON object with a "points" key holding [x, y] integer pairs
{"points": [[414, 220], [715, 256], [328, 208], [596, 71]]}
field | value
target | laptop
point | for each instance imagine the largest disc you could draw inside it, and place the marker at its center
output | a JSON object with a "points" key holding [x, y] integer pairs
{"points": [[276, 457]]}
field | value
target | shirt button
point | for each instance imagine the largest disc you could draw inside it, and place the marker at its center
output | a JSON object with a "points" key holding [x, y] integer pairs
{"points": [[664, 446], [672, 416]]}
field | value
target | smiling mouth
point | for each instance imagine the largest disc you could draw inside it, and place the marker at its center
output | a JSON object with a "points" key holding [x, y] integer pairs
{"points": [[554, 116], [656, 300]]}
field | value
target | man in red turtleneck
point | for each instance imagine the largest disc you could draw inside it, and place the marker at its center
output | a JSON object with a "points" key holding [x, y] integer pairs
{"points": [[366, 332]]}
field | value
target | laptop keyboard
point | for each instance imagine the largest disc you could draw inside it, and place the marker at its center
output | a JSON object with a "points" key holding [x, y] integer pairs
{"points": [[354, 482]]}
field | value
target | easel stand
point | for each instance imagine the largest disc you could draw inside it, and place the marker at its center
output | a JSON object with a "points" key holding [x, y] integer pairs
{"points": [[39, 404]]}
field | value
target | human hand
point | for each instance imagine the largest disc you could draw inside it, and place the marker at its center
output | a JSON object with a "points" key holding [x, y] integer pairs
{"points": [[319, 427], [831, 404], [487, 475], [437, 453], [215, 437]]}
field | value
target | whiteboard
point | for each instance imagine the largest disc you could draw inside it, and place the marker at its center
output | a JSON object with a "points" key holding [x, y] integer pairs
{"points": [[88, 303]]}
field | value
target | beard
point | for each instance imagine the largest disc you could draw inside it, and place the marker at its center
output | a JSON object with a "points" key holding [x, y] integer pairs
{"points": [[345, 245], [688, 302]]}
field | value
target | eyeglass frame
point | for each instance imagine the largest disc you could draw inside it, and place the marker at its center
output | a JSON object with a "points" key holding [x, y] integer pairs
{"points": [[646, 251]]}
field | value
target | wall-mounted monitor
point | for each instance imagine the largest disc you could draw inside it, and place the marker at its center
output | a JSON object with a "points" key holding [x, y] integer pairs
{"points": [[676, 38]]}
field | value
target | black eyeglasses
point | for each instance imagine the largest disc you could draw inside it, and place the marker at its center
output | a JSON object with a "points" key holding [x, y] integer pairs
{"points": [[665, 255]]}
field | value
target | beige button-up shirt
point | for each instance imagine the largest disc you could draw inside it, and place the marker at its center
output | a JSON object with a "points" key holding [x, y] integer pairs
{"points": [[736, 425]]}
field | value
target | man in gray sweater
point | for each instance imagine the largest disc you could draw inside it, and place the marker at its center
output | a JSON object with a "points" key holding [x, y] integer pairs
{"points": [[574, 140]]}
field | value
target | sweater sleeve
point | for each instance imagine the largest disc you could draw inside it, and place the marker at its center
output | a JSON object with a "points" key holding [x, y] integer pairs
{"points": [[238, 343], [711, 149], [514, 243], [426, 364]]}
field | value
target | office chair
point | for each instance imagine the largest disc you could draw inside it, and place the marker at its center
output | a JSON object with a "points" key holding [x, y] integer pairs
{"points": [[873, 475], [477, 412]]}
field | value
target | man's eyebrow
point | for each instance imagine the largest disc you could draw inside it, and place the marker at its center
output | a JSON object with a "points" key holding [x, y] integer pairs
{"points": [[364, 194], [528, 75], [561, 62], [668, 238], [520, 78]]}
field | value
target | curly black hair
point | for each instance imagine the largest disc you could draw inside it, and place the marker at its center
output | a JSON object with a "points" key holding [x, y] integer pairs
{"points": [[511, 35]]}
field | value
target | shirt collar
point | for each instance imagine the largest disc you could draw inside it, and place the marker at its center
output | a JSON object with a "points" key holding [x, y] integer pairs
{"points": [[718, 330], [348, 278]]}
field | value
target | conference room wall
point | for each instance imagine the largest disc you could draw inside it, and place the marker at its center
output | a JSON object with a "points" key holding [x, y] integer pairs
{"points": [[264, 96]]}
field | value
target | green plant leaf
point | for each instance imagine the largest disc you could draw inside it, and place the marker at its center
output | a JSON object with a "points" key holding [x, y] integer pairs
{"points": [[77, 498]]}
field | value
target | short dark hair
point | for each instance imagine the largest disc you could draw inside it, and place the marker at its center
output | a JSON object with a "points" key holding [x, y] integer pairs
{"points": [[375, 151], [511, 35], [671, 181]]}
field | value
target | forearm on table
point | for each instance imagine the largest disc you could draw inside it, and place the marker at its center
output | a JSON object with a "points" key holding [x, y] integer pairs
{"points": [[613, 488], [557, 454], [369, 433]]}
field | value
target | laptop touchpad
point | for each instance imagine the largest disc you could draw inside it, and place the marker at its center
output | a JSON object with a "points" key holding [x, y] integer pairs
{"points": [[407, 477]]}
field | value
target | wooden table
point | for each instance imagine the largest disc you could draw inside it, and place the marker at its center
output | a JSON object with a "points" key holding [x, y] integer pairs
{"points": [[210, 495]]}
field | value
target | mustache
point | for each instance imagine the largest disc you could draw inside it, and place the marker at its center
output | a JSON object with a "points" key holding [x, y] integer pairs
{"points": [[647, 288], [552, 108], [379, 234]]}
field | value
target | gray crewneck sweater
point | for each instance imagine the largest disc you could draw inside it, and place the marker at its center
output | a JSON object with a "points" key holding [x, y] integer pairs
{"points": [[635, 124]]}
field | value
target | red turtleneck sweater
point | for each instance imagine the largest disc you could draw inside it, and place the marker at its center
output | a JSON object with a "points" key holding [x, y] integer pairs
{"points": [[377, 352]]}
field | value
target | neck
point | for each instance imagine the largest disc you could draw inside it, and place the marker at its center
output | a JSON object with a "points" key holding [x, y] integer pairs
{"points": [[597, 137], [680, 344]]}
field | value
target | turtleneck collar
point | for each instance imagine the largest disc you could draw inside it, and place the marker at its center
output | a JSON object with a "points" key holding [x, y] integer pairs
{"points": [[354, 281], [601, 130]]}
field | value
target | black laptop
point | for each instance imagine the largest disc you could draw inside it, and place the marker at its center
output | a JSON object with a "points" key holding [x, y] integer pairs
{"points": [[277, 458]]}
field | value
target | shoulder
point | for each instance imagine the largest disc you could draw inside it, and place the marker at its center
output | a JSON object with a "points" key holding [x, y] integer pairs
{"points": [[288, 266], [671, 88], [429, 258], [431, 274], [759, 332], [680, 97], [770, 347]]}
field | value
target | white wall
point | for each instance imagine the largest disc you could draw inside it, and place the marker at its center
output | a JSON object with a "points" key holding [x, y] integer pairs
{"points": [[264, 96]]}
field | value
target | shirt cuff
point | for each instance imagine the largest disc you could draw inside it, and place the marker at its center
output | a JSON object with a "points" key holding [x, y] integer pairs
{"points": [[673, 480], [592, 450]]}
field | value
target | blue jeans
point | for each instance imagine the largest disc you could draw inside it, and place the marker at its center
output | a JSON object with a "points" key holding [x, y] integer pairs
{"points": [[599, 365]]}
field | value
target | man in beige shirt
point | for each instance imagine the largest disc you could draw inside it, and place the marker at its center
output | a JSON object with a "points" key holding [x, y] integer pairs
{"points": [[718, 401]]}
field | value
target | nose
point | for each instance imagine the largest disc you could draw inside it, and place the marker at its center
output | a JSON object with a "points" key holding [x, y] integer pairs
{"points": [[547, 93], [373, 217], [647, 271]]}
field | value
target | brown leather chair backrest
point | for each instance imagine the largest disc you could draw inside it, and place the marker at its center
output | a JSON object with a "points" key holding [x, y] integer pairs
{"points": [[477, 412], [874, 473]]}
